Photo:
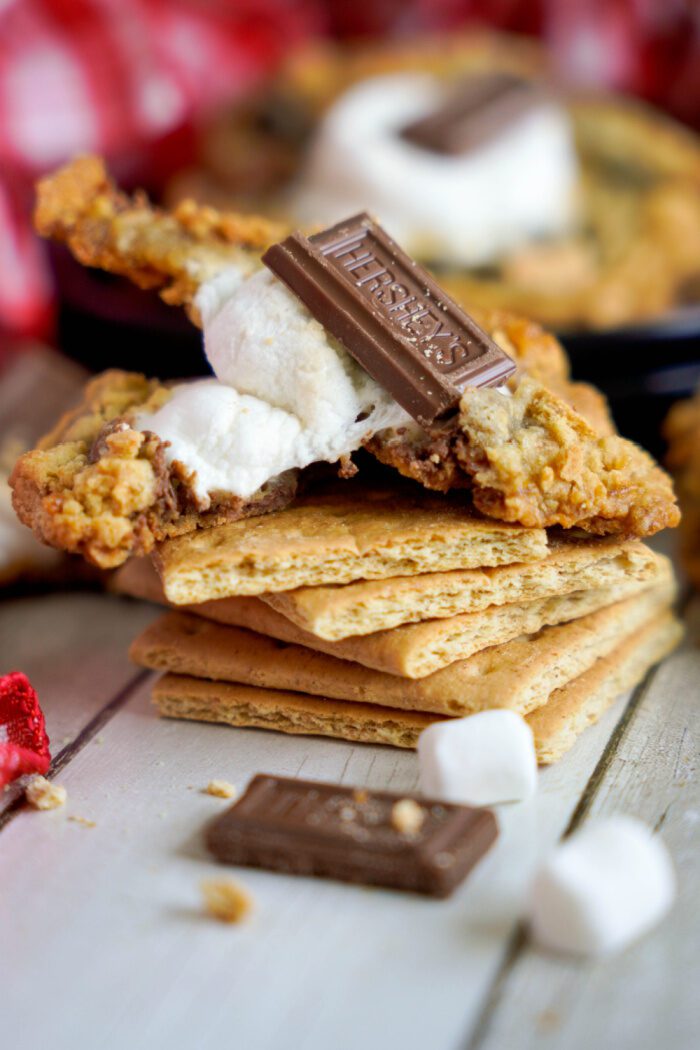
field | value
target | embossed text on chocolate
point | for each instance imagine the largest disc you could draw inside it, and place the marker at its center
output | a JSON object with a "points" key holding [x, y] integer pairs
{"points": [[390, 315], [404, 302]]}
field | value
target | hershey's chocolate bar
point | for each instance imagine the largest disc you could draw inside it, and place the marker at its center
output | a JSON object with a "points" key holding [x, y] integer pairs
{"points": [[302, 827], [390, 315], [478, 109]]}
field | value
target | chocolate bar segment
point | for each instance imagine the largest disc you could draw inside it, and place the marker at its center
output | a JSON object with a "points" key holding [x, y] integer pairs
{"points": [[478, 110], [302, 827], [390, 315]]}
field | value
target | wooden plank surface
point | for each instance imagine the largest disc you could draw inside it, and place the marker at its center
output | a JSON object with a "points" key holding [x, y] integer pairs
{"points": [[645, 997], [105, 941], [73, 649], [106, 920], [337, 966]]}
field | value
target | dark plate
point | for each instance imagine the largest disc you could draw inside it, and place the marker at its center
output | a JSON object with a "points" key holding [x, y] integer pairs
{"points": [[642, 369]]}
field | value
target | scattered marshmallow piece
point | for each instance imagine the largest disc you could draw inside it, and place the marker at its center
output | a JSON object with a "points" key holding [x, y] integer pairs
{"points": [[480, 760], [221, 789], [226, 900], [602, 888], [42, 794]]}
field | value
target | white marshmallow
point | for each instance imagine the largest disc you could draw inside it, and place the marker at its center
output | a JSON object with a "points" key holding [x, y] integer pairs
{"points": [[465, 210], [602, 888], [481, 760], [286, 394]]}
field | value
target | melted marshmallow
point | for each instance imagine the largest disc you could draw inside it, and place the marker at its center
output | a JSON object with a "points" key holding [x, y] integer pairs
{"points": [[286, 394]]}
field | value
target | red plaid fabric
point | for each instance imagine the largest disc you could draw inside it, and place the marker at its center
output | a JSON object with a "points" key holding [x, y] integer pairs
{"points": [[120, 77], [112, 77]]}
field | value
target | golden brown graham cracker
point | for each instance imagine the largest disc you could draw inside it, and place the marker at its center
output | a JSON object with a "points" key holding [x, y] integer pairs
{"points": [[569, 710], [366, 606], [179, 696], [421, 649], [580, 704], [518, 675], [353, 532]]}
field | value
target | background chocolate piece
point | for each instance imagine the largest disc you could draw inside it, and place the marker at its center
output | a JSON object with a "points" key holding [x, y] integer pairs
{"points": [[478, 110], [303, 827], [390, 314]]}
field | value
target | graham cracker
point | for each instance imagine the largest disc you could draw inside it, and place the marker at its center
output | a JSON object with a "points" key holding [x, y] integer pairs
{"points": [[179, 696], [555, 727], [518, 675], [420, 649], [357, 533], [137, 578], [583, 701], [368, 606]]}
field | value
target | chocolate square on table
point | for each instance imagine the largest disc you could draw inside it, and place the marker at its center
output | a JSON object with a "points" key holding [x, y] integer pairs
{"points": [[304, 827]]}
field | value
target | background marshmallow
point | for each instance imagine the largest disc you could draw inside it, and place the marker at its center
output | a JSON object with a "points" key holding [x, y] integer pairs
{"points": [[602, 888], [480, 760], [524, 180]]}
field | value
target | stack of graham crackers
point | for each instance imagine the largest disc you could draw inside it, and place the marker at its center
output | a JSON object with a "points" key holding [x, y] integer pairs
{"points": [[366, 614]]}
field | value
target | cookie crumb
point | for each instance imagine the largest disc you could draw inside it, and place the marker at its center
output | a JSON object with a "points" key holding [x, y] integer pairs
{"points": [[548, 1020], [84, 822], [407, 816], [221, 789], [42, 794], [226, 900]]}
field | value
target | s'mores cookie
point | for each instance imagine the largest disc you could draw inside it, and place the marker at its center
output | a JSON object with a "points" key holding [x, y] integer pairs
{"points": [[99, 485], [337, 129], [360, 349]]}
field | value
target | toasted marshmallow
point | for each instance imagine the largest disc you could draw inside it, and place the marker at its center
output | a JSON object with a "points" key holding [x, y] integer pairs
{"points": [[602, 888], [481, 760], [464, 210], [286, 394]]}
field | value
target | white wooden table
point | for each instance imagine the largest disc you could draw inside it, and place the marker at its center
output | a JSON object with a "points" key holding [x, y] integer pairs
{"points": [[105, 944]]}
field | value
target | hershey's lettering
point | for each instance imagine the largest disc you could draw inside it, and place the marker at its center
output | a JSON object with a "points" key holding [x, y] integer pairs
{"points": [[359, 258], [390, 315]]}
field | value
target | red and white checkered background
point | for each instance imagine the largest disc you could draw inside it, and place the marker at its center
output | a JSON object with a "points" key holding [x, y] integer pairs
{"points": [[117, 77], [127, 78]]}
